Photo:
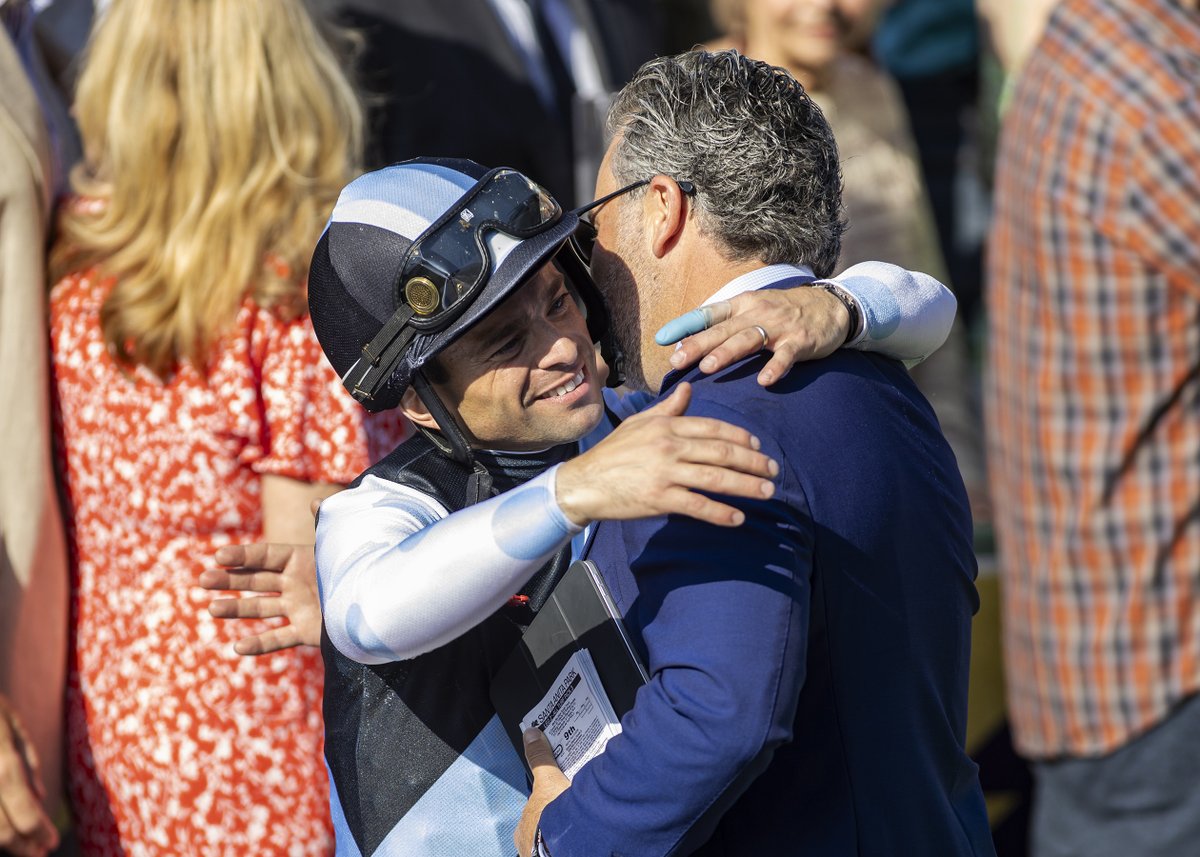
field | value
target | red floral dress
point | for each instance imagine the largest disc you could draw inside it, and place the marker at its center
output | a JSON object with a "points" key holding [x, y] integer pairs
{"points": [[178, 746]]}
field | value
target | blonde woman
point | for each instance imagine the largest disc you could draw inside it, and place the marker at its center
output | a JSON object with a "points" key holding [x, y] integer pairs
{"points": [[197, 410]]}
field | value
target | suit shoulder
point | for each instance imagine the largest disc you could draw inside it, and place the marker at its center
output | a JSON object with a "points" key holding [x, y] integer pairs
{"points": [[862, 404], [830, 377]]}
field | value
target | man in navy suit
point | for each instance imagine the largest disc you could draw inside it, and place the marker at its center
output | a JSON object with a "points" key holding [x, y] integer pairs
{"points": [[808, 690]]}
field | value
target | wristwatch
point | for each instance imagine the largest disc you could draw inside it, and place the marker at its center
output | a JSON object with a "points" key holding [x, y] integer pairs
{"points": [[848, 302]]}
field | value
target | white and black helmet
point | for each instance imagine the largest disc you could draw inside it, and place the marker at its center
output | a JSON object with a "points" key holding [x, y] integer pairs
{"points": [[416, 253]]}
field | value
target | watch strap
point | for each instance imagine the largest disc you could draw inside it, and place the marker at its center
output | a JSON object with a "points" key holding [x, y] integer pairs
{"points": [[851, 305]]}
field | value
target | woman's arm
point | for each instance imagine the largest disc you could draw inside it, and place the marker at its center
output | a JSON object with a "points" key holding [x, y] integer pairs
{"points": [[282, 572], [286, 505]]}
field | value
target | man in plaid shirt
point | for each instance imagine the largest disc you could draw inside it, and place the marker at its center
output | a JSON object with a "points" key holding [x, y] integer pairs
{"points": [[1094, 412]]}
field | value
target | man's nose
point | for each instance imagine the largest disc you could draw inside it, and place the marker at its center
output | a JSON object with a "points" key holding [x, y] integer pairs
{"points": [[561, 348]]}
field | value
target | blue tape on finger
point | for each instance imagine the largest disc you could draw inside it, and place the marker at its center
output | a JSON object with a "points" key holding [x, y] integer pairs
{"points": [[685, 325]]}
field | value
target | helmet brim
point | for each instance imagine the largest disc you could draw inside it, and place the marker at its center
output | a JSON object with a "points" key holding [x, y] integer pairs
{"points": [[522, 263]]}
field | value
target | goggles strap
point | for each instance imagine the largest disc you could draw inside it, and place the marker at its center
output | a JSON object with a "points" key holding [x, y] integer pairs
{"points": [[479, 484], [379, 356]]}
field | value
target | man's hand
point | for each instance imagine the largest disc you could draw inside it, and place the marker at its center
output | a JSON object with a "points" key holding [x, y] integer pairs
{"points": [[656, 461], [25, 829], [548, 783], [800, 323], [289, 573]]}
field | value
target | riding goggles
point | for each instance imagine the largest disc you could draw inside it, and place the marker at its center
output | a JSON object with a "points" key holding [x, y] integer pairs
{"points": [[447, 266]]}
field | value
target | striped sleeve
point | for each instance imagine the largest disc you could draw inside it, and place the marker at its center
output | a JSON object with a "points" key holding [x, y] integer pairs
{"points": [[399, 576]]}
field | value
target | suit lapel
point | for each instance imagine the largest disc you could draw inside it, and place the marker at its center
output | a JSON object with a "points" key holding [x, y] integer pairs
{"points": [[493, 36]]}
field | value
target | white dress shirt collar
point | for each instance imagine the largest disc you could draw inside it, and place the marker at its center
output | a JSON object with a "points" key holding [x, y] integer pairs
{"points": [[757, 279]]}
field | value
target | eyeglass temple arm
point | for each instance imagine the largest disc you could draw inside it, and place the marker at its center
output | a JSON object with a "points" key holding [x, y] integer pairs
{"points": [[689, 188]]}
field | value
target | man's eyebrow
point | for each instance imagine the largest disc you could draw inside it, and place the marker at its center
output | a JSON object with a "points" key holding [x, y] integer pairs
{"points": [[493, 339]]}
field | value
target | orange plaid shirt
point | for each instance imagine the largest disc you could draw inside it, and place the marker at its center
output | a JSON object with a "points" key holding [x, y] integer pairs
{"points": [[1093, 392]]}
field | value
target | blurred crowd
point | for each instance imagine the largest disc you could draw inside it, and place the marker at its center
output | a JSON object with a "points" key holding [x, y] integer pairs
{"points": [[166, 167]]}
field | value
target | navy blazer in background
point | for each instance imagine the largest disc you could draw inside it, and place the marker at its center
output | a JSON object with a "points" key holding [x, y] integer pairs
{"points": [[809, 669], [442, 77]]}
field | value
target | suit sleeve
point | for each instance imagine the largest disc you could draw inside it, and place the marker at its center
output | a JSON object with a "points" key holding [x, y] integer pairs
{"points": [[724, 619]]}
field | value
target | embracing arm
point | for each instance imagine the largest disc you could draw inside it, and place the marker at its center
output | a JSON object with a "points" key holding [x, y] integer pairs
{"points": [[902, 314], [399, 577], [433, 577], [905, 315]]}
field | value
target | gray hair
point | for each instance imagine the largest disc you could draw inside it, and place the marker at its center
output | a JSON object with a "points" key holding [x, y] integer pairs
{"points": [[759, 151]]}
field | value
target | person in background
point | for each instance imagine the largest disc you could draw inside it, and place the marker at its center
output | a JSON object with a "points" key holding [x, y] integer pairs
{"points": [[33, 559], [885, 200], [1093, 403], [930, 48], [196, 409], [528, 88]]}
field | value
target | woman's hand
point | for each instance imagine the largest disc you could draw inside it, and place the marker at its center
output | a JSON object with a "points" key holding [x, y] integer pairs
{"points": [[25, 830], [287, 575]]}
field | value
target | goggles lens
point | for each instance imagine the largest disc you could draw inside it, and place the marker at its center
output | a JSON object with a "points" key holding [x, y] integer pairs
{"points": [[447, 265]]}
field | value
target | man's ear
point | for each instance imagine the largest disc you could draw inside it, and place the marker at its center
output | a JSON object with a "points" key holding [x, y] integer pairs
{"points": [[413, 408], [666, 210]]}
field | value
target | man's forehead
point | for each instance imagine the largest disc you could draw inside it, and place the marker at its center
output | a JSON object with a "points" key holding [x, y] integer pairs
{"points": [[604, 177]]}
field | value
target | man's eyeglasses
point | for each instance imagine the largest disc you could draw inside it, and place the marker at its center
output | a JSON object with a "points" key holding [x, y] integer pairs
{"points": [[584, 239]]}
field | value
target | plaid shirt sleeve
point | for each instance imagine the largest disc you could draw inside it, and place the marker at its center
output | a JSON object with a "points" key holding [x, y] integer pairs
{"points": [[1093, 386], [1159, 220]]}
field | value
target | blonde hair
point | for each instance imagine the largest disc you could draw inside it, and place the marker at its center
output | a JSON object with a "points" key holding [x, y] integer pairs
{"points": [[217, 135]]}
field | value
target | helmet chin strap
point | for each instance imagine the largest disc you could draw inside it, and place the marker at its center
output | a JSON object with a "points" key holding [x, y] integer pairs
{"points": [[452, 441]]}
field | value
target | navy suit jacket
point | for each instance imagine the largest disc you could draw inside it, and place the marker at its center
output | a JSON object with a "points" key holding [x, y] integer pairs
{"points": [[808, 690]]}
